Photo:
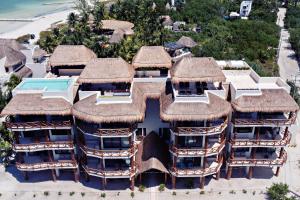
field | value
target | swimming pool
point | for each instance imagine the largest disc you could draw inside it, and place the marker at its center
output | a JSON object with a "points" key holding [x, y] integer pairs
{"points": [[45, 84]]}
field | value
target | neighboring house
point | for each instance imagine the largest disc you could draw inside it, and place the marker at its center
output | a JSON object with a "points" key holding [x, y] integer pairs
{"points": [[181, 48], [12, 60], [184, 120]]}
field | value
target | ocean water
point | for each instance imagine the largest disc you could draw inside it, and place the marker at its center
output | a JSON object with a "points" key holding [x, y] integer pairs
{"points": [[12, 9]]}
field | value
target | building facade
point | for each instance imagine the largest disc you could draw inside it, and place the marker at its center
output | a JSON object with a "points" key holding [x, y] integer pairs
{"points": [[191, 119]]}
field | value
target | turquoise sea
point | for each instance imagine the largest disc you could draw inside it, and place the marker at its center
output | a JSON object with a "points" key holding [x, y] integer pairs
{"points": [[28, 9]]}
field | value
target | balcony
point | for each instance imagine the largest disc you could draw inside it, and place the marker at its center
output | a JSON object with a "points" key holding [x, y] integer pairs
{"points": [[128, 173], [98, 132], [128, 153], [37, 125], [284, 141], [250, 162], [195, 152], [276, 122], [63, 164], [197, 172], [200, 131], [42, 146]]}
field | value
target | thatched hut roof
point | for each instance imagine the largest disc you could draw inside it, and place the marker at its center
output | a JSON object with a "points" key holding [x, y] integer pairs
{"points": [[13, 56], [194, 69], [11, 43], [117, 25], [187, 42], [71, 55], [35, 104], [150, 154], [193, 111], [24, 72], [107, 70], [117, 36], [38, 53], [87, 110], [152, 56], [271, 100]]}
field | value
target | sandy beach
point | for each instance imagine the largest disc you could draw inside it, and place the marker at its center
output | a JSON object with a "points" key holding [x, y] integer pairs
{"points": [[39, 24]]}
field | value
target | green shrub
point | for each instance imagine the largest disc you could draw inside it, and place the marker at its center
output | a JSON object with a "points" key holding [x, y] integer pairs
{"points": [[141, 188], [132, 194], [46, 193], [82, 194], [103, 195], [244, 191], [161, 187], [202, 192], [174, 193], [72, 193], [59, 193], [279, 191], [232, 192]]}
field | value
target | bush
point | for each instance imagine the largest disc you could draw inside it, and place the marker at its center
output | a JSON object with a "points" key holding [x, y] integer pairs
{"points": [[103, 195], [72, 193], [132, 194], [232, 192], [59, 193], [161, 187], [46, 193], [187, 192], [82, 194], [279, 191], [34, 195], [244, 191], [141, 188], [202, 192], [24, 38], [174, 193]]}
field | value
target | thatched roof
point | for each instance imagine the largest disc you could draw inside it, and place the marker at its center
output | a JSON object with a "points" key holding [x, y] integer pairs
{"points": [[194, 69], [117, 25], [11, 43], [24, 72], [70, 55], [187, 42], [87, 110], [117, 36], [271, 100], [107, 70], [193, 111], [152, 56], [35, 104], [13, 56], [150, 154], [38, 53]]}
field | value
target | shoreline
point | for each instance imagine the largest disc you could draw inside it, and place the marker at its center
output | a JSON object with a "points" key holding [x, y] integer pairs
{"points": [[41, 23]]}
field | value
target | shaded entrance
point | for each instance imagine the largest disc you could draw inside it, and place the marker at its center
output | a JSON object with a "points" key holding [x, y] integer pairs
{"points": [[150, 158]]}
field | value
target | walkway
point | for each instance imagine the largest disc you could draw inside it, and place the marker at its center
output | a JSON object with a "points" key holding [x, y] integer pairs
{"points": [[288, 65]]}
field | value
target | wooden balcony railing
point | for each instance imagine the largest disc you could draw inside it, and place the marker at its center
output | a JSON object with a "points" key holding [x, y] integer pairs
{"points": [[118, 132], [265, 122], [64, 164], [261, 143], [42, 146], [191, 152], [38, 125], [197, 172], [128, 153], [190, 131], [128, 173], [236, 162]]}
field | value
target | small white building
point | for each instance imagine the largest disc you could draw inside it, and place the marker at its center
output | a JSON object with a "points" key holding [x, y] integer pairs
{"points": [[246, 7]]}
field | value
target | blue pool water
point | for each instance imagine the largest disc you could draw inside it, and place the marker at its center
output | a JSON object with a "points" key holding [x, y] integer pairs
{"points": [[47, 84]]}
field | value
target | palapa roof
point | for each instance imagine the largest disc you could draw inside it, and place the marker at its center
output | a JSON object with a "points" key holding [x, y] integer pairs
{"points": [[71, 55], [35, 104], [187, 42], [14, 44], [24, 72], [152, 56], [196, 69], [106, 70], [13, 56], [38, 53], [271, 100], [113, 24], [87, 110], [117, 36], [150, 154], [193, 111]]}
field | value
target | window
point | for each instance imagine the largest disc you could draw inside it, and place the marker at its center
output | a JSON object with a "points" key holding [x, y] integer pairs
{"points": [[116, 142]]}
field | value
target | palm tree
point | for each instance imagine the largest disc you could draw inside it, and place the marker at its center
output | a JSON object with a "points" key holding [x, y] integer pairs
{"points": [[6, 141], [72, 19], [14, 80]]}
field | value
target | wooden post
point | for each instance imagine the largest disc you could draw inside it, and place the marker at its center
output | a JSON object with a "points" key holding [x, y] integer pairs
{"points": [[103, 183], [250, 172], [277, 171], [87, 177], [140, 178], [229, 172], [76, 175], [202, 182], [173, 182], [53, 175], [132, 184], [166, 178], [218, 175]]}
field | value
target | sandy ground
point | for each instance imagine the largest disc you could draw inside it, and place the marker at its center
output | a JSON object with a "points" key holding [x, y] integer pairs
{"points": [[35, 27]]}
